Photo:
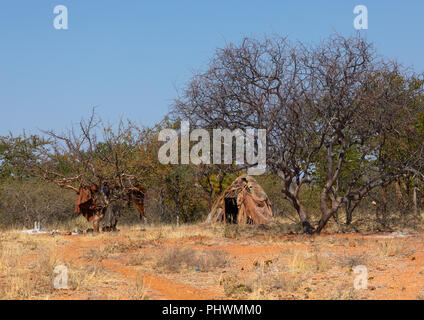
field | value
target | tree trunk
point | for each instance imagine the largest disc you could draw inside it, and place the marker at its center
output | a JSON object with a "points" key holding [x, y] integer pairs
{"points": [[349, 212], [399, 194], [301, 211], [291, 193], [414, 199], [384, 208], [162, 205], [96, 222], [422, 199], [303, 216], [324, 219], [327, 212]]}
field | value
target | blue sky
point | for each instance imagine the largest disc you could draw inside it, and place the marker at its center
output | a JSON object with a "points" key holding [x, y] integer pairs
{"points": [[128, 57]]}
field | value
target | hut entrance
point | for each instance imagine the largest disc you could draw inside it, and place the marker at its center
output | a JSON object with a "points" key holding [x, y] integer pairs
{"points": [[231, 210], [253, 203]]}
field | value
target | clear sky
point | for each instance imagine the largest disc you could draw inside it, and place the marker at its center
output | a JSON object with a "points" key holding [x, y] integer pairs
{"points": [[128, 57]]}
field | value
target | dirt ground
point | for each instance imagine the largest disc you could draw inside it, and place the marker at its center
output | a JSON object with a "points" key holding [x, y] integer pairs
{"points": [[211, 262]]}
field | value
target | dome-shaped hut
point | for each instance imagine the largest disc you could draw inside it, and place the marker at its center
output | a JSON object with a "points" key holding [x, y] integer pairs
{"points": [[244, 201]]}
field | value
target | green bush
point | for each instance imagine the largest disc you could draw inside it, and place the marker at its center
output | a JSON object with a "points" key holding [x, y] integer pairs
{"points": [[24, 202]]}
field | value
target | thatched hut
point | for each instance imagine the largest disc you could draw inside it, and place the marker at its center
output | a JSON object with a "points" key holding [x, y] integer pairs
{"points": [[244, 201]]}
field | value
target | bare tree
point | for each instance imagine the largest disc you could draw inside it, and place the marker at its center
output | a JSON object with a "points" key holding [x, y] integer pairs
{"points": [[319, 106], [256, 85], [366, 110], [95, 154]]}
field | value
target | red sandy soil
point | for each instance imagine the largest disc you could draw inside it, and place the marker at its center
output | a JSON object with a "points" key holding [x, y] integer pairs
{"points": [[395, 265]]}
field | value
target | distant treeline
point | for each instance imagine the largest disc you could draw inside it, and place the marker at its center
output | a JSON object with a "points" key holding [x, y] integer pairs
{"points": [[345, 141]]}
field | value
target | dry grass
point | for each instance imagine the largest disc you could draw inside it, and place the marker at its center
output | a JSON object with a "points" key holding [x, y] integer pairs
{"points": [[113, 248], [84, 278], [269, 279], [161, 232], [27, 268], [176, 259], [95, 255], [352, 260], [138, 290], [197, 257], [273, 284], [270, 231], [420, 295], [136, 259], [308, 262], [344, 291], [23, 280], [234, 287], [395, 248]]}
